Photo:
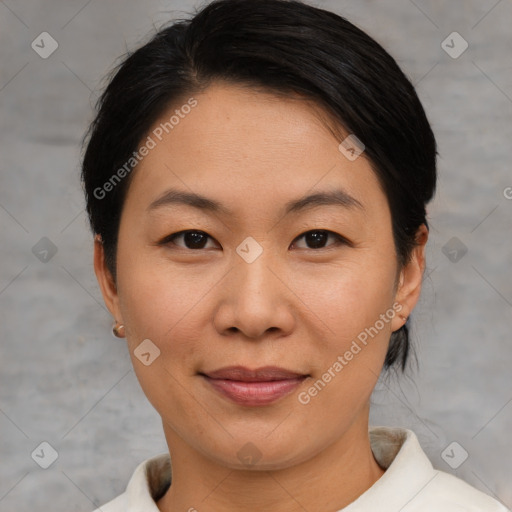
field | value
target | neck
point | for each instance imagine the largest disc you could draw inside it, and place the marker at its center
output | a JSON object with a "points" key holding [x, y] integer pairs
{"points": [[330, 480]]}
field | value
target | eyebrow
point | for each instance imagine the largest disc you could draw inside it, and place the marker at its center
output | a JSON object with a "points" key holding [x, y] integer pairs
{"points": [[337, 197]]}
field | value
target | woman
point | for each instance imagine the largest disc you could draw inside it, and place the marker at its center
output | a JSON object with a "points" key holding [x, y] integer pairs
{"points": [[256, 179]]}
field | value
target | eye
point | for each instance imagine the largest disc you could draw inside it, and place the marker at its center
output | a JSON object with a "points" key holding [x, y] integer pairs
{"points": [[192, 239], [195, 239], [317, 238]]}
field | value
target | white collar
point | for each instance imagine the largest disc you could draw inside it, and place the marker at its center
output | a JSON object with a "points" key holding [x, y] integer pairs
{"points": [[409, 475]]}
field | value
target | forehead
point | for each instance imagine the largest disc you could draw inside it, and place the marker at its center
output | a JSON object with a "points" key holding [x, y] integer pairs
{"points": [[243, 146]]}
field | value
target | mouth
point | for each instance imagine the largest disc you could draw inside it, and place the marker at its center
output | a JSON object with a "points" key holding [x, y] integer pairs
{"points": [[257, 387]]}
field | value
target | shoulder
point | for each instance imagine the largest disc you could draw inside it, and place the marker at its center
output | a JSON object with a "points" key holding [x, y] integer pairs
{"points": [[412, 484], [447, 492], [119, 504], [150, 480]]}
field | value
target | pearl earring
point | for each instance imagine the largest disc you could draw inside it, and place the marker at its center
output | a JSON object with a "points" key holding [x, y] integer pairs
{"points": [[118, 330]]}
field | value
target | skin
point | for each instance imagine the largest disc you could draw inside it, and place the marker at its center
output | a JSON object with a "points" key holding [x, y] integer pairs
{"points": [[295, 306]]}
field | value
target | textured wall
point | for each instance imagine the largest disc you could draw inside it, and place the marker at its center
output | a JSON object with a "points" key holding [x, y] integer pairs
{"points": [[66, 381]]}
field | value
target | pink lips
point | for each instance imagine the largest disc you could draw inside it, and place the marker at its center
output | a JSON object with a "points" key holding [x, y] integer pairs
{"points": [[254, 387]]}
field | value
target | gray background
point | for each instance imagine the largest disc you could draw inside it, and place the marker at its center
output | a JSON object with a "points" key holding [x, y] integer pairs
{"points": [[65, 379]]}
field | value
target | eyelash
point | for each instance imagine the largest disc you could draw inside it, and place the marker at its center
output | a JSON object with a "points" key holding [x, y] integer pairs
{"points": [[340, 240]]}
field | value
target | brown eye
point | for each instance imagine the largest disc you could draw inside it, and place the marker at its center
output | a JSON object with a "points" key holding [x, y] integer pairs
{"points": [[191, 239], [317, 239]]}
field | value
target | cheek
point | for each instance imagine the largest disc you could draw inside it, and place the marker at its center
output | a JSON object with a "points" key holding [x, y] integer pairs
{"points": [[159, 307], [347, 366], [162, 305], [349, 296]]}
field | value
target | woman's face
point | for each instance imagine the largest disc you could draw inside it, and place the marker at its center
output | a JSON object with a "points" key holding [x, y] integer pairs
{"points": [[256, 282]]}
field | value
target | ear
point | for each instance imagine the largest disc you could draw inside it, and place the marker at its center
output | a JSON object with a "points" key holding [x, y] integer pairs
{"points": [[411, 276], [105, 280]]}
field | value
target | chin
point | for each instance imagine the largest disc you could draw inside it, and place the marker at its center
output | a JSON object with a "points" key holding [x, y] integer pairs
{"points": [[261, 455]]}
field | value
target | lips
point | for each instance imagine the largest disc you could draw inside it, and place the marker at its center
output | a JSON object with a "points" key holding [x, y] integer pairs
{"points": [[242, 374], [257, 387]]}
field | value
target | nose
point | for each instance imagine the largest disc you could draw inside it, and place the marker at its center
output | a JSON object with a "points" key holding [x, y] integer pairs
{"points": [[255, 300]]}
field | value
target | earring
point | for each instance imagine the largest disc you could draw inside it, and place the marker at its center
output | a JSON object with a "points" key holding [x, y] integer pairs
{"points": [[118, 330]]}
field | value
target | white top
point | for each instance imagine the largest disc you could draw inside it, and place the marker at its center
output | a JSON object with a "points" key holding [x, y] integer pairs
{"points": [[410, 483]]}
